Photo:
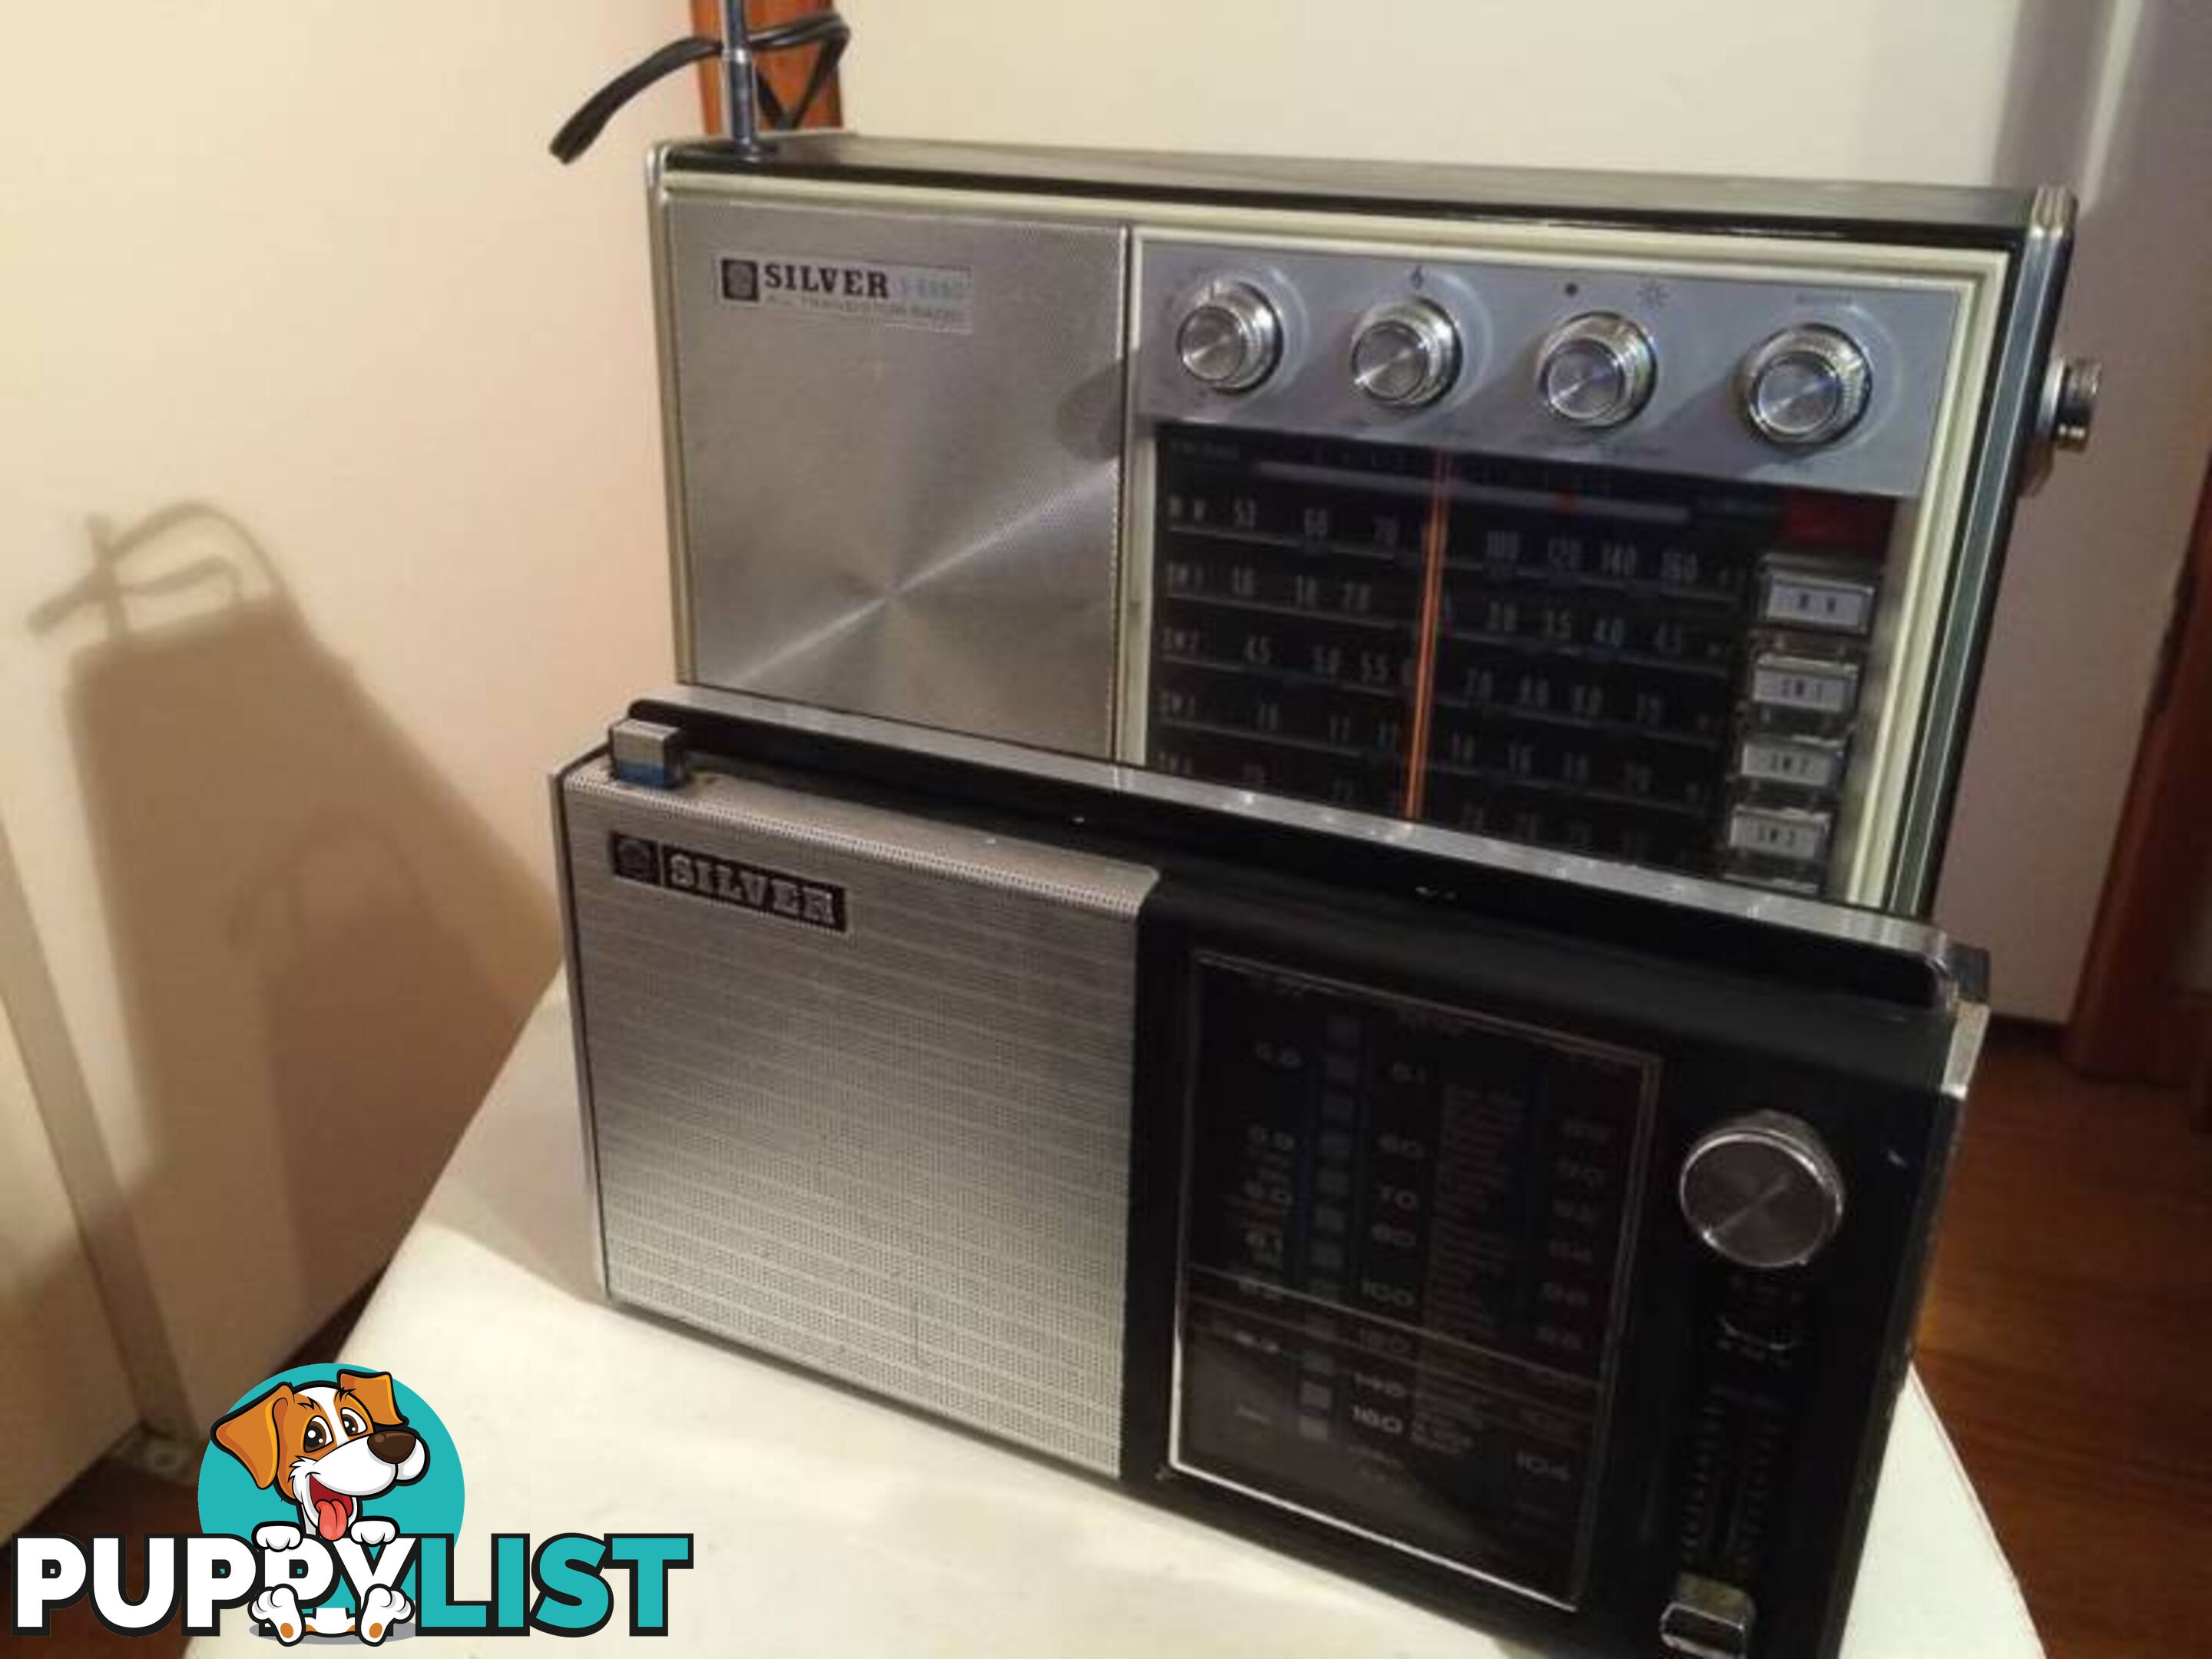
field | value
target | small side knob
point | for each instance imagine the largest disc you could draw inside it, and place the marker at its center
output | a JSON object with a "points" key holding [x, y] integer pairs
{"points": [[2070, 402], [1597, 369], [2065, 411], [1231, 338], [1406, 354], [1762, 1192]]}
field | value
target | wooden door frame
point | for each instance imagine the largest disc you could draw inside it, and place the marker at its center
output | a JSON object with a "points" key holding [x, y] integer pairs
{"points": [[787, 72], [2132, 1017]]}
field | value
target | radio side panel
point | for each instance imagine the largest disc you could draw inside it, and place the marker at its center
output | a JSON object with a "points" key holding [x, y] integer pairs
{"points": [[896, 453], [860, 1092]]}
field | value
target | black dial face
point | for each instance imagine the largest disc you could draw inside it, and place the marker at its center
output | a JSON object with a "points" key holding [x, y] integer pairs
{"points": [[1403, 1248]]}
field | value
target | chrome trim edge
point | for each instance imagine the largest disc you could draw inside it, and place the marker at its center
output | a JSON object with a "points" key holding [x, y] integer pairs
{"points": [[1968, 1033], [1807, 916], [2000, 463], [672, 444], [571, 963], [1556, 195]]}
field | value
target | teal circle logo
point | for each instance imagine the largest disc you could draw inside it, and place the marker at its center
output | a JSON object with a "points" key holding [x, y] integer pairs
{"points": [[322, 1447], [331, 1458]]}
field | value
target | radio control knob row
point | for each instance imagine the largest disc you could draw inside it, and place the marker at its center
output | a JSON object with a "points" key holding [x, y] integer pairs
{"points": [[1803, 387]]}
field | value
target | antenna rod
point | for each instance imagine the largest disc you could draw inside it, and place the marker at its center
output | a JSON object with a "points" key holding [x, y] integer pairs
{"points": [[740, 94]]}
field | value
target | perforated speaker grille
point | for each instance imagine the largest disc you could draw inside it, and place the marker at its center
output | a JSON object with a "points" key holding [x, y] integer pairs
{"points": [[898, 1153]]}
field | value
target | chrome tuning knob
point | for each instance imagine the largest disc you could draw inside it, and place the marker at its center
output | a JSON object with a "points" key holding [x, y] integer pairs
{"points": [[1232, 337], [1596, 370], [1762, 1192], [1805, 386], [1406, 354]]}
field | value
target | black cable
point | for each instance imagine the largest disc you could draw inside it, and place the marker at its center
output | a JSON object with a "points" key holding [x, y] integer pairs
{"points": [[825, 70], [577, 133], [771, 106], [800, 31], [824, 30]]}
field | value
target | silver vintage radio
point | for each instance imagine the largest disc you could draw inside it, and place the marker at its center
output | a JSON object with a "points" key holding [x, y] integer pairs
{"points": [[1657, 519], [1536, 1238]]}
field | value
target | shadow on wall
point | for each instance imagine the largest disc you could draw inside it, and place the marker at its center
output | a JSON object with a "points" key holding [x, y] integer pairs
{"points": [[322, 952], [2050, 102]]}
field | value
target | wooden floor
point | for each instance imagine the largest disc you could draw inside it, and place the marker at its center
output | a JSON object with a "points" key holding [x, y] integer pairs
{"points": [[2067, 1344]]}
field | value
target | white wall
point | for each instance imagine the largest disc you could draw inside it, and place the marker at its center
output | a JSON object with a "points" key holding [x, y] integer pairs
{"points": [[281, 894], [2106, 94]]}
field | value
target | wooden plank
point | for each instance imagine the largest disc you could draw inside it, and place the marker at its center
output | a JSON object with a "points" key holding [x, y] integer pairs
{"points": [[786, 72], [2132, 1018], [2066, 1342]]}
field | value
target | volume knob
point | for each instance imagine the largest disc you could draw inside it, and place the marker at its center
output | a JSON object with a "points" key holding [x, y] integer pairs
{"points": [[1231, 338], [1762, 1192], [1596, 370], [1406, 355], [1806, 385]]}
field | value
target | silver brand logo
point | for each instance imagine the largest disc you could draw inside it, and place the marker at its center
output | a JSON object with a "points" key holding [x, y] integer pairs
{"points": [[727, 881], [937, 297]]}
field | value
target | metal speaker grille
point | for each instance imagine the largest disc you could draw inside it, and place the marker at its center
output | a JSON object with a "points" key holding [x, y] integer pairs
{"points": [[925, 524], [898, 1154]]}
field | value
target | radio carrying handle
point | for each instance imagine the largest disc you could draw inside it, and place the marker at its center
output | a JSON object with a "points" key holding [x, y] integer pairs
{"points": [[748, 102]]}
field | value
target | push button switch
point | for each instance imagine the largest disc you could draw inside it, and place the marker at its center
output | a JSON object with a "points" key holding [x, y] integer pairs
{"points": [[646, 753], [1708, 1619]]}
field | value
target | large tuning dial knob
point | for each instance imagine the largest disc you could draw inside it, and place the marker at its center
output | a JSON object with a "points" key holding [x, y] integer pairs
{"points": [[1406, 354], [1596, 370], [1806, 385], [1231, 338], [1762, 1192]]}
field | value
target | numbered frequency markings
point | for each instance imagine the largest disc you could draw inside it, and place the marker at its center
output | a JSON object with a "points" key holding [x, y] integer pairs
{"points": [[1288, 602], [1632, 665], [1404, 1243]]}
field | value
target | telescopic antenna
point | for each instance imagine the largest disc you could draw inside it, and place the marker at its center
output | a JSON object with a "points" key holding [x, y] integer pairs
{"points": [[740, 91]]}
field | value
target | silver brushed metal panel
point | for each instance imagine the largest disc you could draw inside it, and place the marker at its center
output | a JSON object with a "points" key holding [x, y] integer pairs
{"points": [[916, 522], [898, 1154]]}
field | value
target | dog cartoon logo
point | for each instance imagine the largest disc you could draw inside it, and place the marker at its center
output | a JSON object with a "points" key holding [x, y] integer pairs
{"points": [[327, 1449], [331, 1500]]}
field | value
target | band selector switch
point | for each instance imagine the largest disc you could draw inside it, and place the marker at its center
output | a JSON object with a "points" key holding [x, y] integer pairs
{"points": [[1707, 1620]]}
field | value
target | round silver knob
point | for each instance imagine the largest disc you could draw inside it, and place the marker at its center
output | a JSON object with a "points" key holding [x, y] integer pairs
{"points": [[1806, 385], [1596, 370], [1406, 354], [1762, 1192], [1231, 338]]}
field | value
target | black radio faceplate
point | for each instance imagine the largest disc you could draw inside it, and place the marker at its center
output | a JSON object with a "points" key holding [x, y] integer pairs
{"points": [[1545, 1401]]}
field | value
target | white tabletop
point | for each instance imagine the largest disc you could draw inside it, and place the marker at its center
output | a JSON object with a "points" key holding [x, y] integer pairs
{"points": [[827, 1524]]}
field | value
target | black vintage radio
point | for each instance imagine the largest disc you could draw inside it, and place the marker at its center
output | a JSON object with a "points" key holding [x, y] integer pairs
{"points": [[1656, 520], [1539, 1237]]}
